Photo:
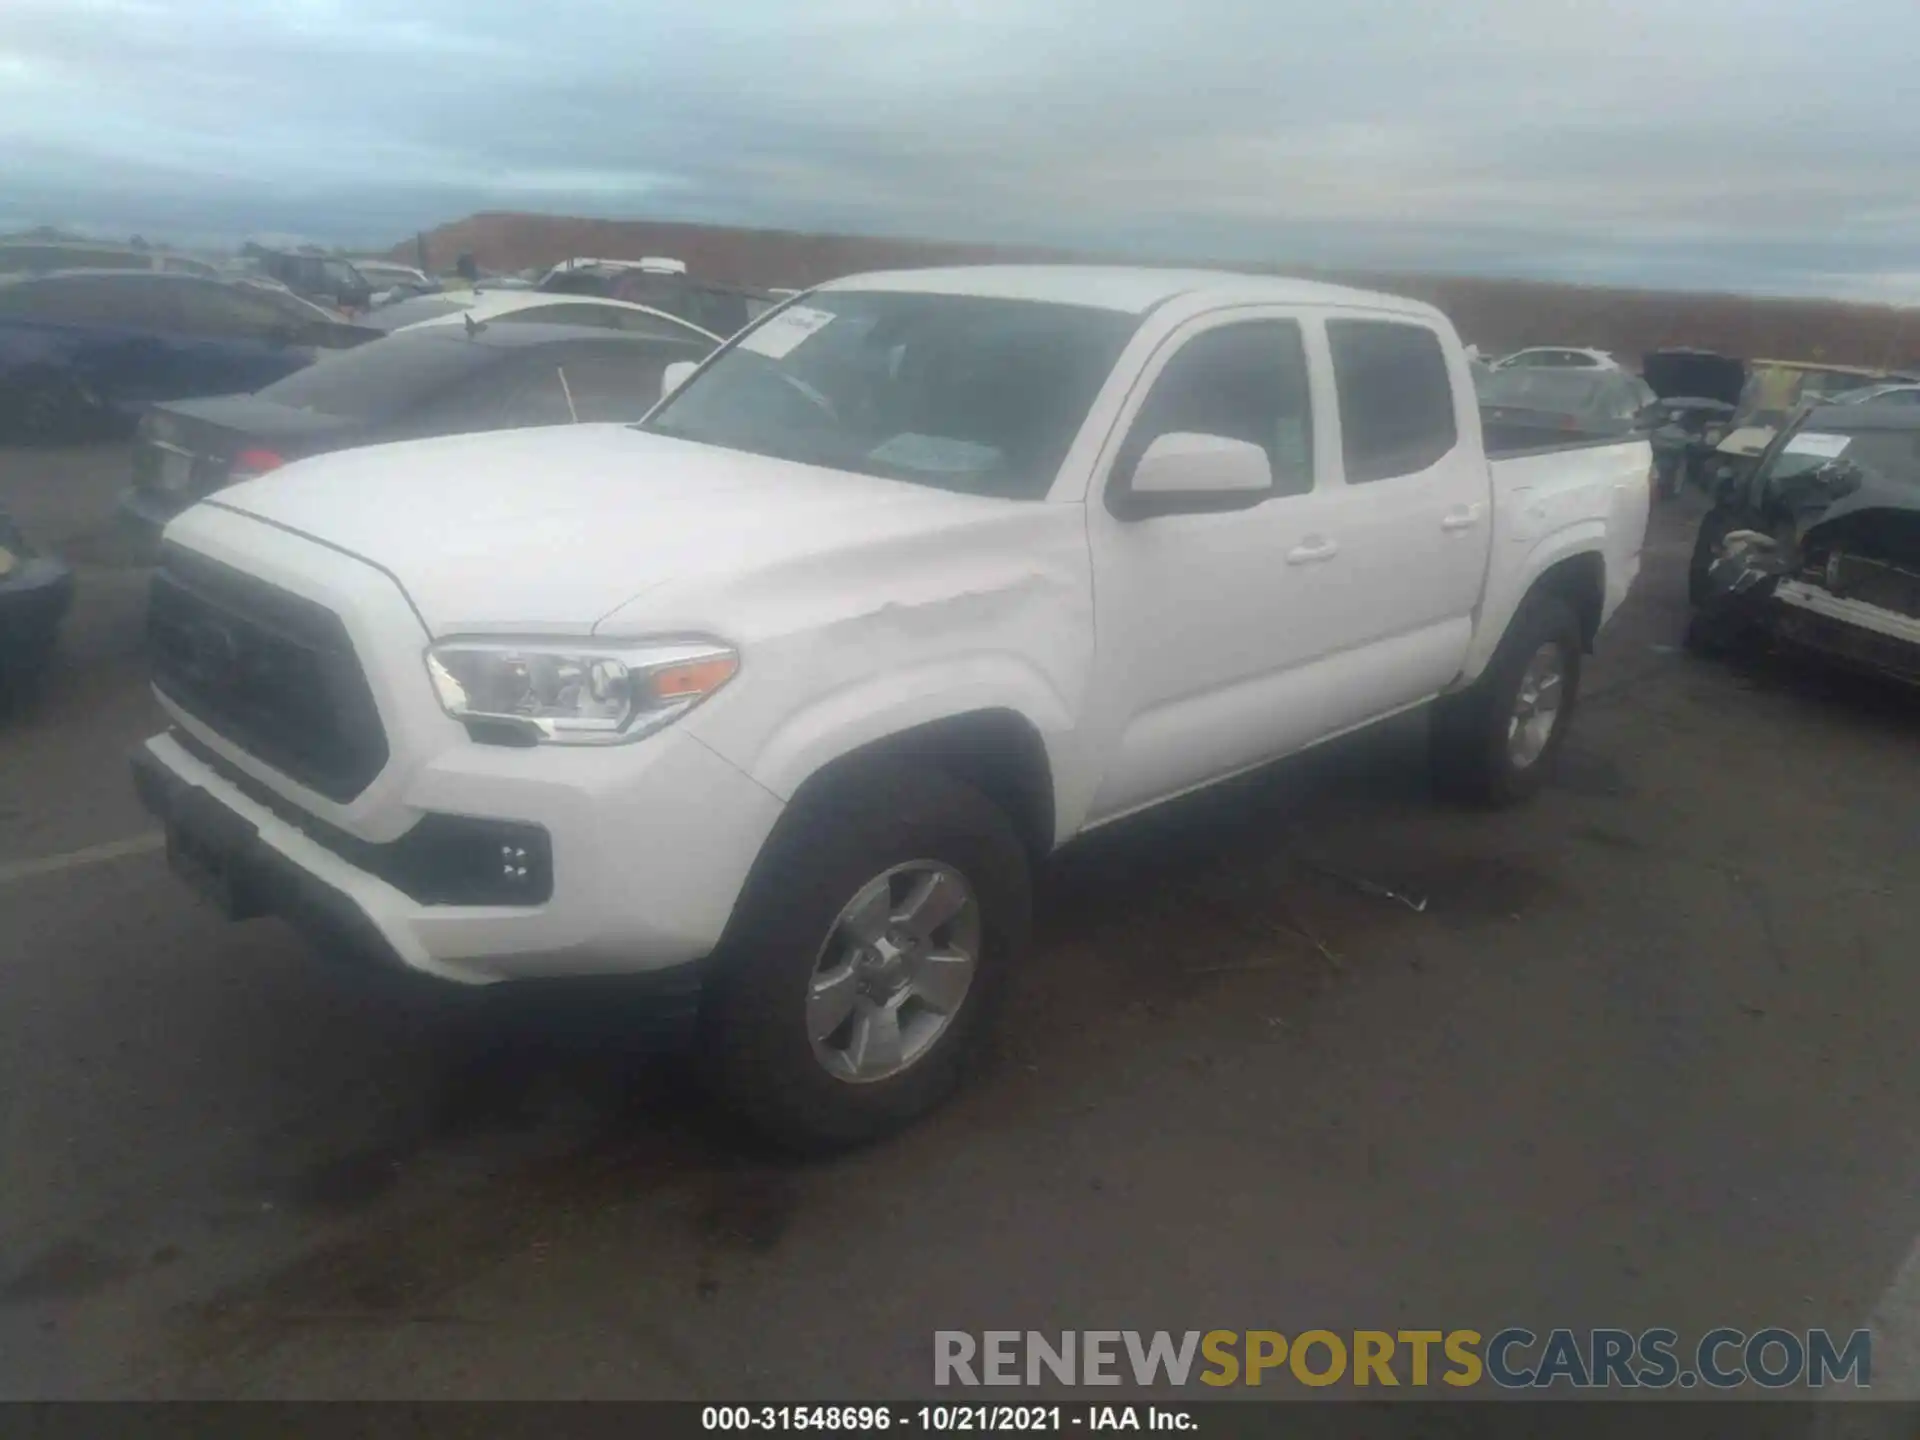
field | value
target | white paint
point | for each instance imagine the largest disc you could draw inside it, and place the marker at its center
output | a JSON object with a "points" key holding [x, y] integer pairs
{"points": [[1150, 656], [544, 307], [12, 871], [1809, 442]]}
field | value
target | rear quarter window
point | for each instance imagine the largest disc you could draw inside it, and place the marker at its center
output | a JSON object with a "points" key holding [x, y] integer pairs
{"points": [[1396, 398]]}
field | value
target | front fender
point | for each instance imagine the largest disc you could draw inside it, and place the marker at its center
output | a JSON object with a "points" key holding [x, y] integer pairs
{"points": [[845, 720]]}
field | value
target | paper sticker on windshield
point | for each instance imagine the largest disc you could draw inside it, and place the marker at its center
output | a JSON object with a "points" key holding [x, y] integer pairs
{"points": [[777, 338], [1827, 447]]}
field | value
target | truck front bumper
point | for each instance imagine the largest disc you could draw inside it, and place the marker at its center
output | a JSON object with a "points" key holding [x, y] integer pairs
{"points": [[632, 867]]}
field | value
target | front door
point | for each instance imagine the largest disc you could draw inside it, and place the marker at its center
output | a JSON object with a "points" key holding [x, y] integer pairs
{"points": [[1200, 617]]}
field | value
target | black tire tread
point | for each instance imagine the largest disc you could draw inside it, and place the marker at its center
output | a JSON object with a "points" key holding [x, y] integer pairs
{"points": [[886, 812], [1467, 747]]}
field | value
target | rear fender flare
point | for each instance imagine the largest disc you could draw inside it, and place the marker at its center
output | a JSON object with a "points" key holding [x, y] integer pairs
{"points": [[1504, 597]]}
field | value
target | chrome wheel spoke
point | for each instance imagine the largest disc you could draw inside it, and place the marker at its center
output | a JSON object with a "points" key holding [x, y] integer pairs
{"points": [[891, 973], [932, 902], [866, 919], [1536, 706], [943, 980], [830, 1000], [874, 1048]]}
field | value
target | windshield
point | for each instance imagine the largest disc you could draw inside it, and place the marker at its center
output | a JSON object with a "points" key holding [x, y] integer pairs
{"points": [[1889, 455], [1558, 392], [956, 391], [383, 378]]}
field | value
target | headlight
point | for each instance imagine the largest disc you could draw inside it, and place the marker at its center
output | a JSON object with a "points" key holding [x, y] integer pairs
{"points": [[577, 694], [1714, 434]]}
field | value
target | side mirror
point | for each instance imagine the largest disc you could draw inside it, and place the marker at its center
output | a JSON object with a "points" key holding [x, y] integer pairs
{"points": [[1182, 473], [675, 375]]}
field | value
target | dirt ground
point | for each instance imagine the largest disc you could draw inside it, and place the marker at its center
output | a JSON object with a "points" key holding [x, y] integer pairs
{"points": [[1643, 1056]]}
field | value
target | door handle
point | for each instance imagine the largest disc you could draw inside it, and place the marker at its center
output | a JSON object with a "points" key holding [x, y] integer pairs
{"points": [[1312, 550], [1464, 518]]}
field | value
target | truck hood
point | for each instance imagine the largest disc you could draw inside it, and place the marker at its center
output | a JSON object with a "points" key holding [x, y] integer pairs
{"points": [[551, 531]]}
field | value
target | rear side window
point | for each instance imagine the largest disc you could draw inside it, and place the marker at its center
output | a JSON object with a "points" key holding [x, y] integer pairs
{"points": [[1396, 398], [1246, 381]]}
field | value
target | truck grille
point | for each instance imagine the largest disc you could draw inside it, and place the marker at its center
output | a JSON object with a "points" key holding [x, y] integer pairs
{"points": [[272, 672]]}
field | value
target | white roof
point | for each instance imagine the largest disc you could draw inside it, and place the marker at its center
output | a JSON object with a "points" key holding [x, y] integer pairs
{"points": [[491, 304], [1126, 288]]}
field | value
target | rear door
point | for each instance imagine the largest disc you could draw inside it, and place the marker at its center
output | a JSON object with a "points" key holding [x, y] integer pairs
{"points": [[1415, 523]]}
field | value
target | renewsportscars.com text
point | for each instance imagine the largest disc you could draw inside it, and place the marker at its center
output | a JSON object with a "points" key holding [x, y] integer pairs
{"points": [[1515, 1358]]}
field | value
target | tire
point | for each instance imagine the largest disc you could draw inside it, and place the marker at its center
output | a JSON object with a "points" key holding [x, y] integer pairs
{"points": [[1472, 750], [788, 938]]}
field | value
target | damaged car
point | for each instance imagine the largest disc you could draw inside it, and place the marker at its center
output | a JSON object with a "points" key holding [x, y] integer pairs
{"points": [[1696, 393], [1775, 391], [1821, 550]]}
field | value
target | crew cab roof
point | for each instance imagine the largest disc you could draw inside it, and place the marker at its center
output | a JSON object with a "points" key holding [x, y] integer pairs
{"points": [[1129, 289]]}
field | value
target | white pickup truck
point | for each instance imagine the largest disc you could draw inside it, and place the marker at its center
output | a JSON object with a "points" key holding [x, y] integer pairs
{"points": [[784, 691]]}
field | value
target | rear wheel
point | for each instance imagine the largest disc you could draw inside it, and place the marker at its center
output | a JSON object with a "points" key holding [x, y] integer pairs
{"points": [[1495, 742], [859, 976]]}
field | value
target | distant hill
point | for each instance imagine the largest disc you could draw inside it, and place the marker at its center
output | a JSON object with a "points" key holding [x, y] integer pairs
{"points": [[1495, 314]]}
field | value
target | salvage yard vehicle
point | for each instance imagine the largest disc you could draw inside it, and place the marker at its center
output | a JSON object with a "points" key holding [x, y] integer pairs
{"points": [[42, 257], [1541, 406], [666, 285], [1557, 357], [82, 351], [1774, 392], [35, 592], [531, 307], [1697, 393], [778, 697], [311, 272], [1822, 550], [429, 380]]}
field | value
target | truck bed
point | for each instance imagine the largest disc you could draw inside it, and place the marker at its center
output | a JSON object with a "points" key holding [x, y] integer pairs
{"points": [[1506, 440]]}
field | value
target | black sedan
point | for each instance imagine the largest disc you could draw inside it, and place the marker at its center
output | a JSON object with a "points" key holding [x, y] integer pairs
{"points": [[82, 351], [438, 380]]}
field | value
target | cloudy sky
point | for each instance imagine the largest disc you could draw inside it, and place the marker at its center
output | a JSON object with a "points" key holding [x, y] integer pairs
{"points": [[1761, 145]]}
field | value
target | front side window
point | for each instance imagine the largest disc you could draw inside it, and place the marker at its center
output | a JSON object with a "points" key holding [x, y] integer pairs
{"points": [[1245, 381], [1396, 398], [960, 392]]}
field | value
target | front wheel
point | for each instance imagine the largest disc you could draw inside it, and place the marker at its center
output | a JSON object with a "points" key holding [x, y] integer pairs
{"points": [[858, 978], [1495, 742]]}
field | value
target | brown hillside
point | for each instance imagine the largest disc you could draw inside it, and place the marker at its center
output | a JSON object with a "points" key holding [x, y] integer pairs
{"points": [[1496, 314]]}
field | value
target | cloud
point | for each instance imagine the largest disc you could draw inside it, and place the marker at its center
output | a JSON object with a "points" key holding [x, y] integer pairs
{"points": [[1725, 142]]}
